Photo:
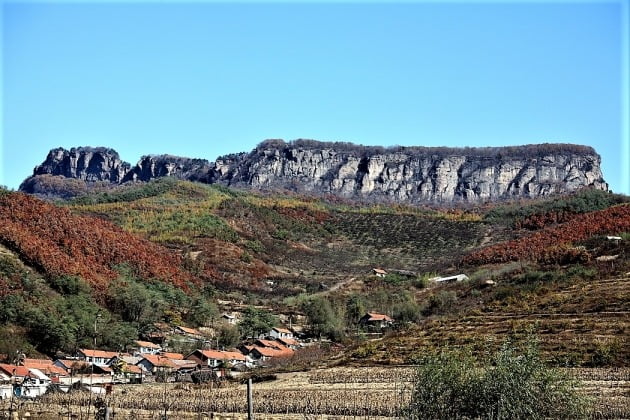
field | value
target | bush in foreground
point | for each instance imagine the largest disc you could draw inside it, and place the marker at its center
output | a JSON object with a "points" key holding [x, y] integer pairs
{"points": [[513, 385]]}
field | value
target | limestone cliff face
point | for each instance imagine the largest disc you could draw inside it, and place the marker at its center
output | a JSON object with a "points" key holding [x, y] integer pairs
{"points": [[398, 174], [85, 163], [413, 175], [150, 167]]}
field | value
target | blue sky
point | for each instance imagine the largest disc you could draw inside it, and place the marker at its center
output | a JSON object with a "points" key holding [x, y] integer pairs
{"points": [[204, 79]]}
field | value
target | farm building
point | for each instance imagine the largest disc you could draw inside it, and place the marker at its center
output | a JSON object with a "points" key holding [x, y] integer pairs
{"points": [[289, 342], [214, 358], [147, 347], [458, 277], [376, 320], [155, 364], [280, 333], [97, 357], [379, 272], [262, 354]]}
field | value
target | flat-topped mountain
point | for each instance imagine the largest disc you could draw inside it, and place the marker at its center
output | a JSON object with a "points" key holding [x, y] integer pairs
{"points": [[394, 174]]}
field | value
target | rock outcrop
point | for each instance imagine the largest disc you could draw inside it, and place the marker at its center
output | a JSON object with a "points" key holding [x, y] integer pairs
{"points": [[413, 174], [85, 163], [150, 167], [396, 174]]}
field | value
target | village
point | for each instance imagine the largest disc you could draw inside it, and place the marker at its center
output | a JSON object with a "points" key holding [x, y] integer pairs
{"points": [[147, 362]]}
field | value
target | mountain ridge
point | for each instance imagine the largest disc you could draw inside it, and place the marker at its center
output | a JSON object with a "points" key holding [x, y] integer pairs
{"points": [[399, 174]]}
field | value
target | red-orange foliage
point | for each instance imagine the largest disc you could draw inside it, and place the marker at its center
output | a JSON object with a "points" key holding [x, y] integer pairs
{"points": [[59, 243], [542, 245], [539, 221], [304, 214]]}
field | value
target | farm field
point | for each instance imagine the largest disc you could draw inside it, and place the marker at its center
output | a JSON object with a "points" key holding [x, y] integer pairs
{"points": [[370, 392]]}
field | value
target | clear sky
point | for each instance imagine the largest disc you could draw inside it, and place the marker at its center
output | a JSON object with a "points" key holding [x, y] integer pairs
{"points": [[203, 79]]}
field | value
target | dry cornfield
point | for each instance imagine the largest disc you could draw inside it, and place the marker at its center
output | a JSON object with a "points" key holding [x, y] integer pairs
{"points": [[324, 394]]}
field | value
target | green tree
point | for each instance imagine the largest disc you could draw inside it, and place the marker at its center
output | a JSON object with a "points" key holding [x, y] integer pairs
{"points": [[255, 322], [202, 312], [133, 301], [322, 318], [355, 309], [228, 336], [515, 385]]}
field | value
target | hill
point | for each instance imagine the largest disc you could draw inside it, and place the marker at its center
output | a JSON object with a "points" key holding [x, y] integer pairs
{"points": [[180, 252]]}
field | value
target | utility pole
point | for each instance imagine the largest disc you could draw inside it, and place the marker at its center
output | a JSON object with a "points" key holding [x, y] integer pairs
{"points": [[98, 316], [250, 401]]}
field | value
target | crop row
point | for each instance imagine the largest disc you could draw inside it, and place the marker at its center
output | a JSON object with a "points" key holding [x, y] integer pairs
{"points": [[362, 376], [359, 402]]}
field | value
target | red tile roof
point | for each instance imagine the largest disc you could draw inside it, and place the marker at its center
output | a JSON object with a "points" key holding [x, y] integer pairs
{"points": [[159, 361], [288, 341], [185, 364], [148, 344], [191, 331], [282, 330], [13, 370], [378, 317], [98, 353], [222, 355], [270, 352], [268, 343], [132, 369], [172, 356], [72, 364], [48, 370], [36, 362]]}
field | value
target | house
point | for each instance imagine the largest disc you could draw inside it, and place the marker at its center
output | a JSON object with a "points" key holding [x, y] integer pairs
{"points": [[34, 362], [47, 367], [214, 358], [97, 357], [376, 320], [280, 333], [458, 277], [156, 364], [262, 354], [188, 332], [14, 372], [72, 365], [147, 347], [230, 319], [291, 343], [260, 342], [33, 382], [133, 374], [379, 272], [184, 365], [125, 369], [159, 334], [35, 385]]}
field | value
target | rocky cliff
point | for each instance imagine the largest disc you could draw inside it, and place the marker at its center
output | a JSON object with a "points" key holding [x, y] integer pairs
{"points": [[398, 174], [85, 163], [413, 174], [150, 167]]}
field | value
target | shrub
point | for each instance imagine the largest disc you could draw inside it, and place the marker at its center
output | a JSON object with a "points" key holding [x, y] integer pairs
{"points": [[515, 385], [440, 303]]}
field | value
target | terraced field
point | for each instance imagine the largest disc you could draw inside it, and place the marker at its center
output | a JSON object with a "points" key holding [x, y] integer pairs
{"points": [[577, 323], [413, 241]]}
